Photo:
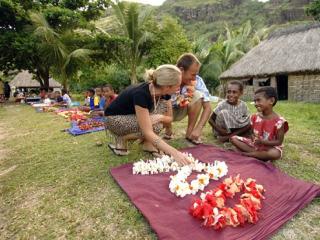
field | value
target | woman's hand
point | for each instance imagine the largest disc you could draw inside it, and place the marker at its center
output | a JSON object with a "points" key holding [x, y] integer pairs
{"points": [[181, 158]]}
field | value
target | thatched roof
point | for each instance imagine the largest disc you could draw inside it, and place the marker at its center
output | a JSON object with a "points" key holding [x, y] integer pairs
{"points": [[25, 79], [293, 50]]}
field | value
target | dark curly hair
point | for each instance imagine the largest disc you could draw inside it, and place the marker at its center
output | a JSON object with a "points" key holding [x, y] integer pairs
{"points": [[269, 92]]}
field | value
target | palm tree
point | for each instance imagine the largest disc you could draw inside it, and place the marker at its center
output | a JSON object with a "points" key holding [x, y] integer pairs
{"points": [[50, 49], [54, 55], [227, 50], [132, 22]]}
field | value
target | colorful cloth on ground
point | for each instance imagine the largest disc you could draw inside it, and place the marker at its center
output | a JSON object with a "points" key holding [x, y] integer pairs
{"points": [[266, 129], [232, 116], [169, 217], [75, 130]]}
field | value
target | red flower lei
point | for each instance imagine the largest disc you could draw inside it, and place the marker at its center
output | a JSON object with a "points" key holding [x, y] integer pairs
{"points": [[211, 206]]}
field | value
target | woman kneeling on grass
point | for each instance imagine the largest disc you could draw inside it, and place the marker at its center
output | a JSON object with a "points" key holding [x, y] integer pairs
{"points": [[141, 111], [267, 126]]}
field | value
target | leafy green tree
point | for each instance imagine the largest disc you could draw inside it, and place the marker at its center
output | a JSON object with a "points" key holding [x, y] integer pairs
{"points": [[92, 76], [314, 10], [227, 50], [221, 56], [42, 50], [133, 23], [54, 54], [169, 42]]}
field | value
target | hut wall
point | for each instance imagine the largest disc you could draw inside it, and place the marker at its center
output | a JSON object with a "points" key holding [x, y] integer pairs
{"points": [[248, 93], [304, 88]]}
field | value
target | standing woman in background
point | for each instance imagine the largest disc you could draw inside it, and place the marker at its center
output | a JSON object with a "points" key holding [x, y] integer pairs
{"points": [[141, 111]]}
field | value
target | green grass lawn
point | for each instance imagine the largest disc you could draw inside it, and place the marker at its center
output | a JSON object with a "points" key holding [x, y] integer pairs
{"points": [[53, 185]]}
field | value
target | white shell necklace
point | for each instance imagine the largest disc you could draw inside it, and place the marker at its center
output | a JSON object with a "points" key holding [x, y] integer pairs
{"points": [[155, 103]]}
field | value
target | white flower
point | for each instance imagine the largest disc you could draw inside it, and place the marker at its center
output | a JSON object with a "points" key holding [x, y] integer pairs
{"points": [[221, 168], [178, 183], [203, 180], [194, 187]]}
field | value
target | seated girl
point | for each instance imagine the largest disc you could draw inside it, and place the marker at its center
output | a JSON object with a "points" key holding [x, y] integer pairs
{"points": [[231, 116], [267, 126], [66, 98], [140, 112], [109, 94]]}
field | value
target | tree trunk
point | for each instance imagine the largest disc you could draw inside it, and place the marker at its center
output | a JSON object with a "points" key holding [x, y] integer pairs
{"points": [[65, 84], [38, 77], [133, 75], [44, 76]]}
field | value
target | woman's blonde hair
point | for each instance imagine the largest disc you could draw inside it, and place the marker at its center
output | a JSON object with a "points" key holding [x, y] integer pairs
{"points": [[164, 75]]}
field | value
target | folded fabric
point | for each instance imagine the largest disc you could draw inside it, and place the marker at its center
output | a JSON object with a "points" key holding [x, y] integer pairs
{"points": [[169, 217]]}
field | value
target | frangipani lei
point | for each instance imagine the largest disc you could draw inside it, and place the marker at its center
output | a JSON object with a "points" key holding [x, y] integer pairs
{"points": [[178, 183]]}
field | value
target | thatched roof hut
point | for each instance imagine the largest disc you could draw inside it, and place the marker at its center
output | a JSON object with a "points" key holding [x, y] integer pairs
{"points": [[25, 79], [289, 58]]}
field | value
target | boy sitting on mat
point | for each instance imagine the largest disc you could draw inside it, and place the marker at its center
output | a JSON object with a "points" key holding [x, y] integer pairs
{"points": [[231, 116]]}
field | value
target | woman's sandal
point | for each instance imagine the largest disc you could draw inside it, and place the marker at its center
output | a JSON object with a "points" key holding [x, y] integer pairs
{"points": [[118, 151], [194, 141], [168, 136]]}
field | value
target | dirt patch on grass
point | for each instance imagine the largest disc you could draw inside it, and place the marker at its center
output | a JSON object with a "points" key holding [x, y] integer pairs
{"points": [[34, 197], [2, 173]]}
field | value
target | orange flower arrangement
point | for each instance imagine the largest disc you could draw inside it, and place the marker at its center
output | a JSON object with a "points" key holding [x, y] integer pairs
{"points": [[186, 98], [212, 210]]}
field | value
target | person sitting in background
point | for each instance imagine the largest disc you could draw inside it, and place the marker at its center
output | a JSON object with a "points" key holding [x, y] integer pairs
{"points": [[231, 116], [109, 94], [51, 94], [46, 99], [140, 111], [94, 100], [268, 128], [102, 99], [86, 98], [7, 90], [66, 98], [43, 93], [58, 97]]}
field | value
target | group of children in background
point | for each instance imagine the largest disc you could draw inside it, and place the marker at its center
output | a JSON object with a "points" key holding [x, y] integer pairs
{"points": [[55, 98], [260, 135], [98, 99]]}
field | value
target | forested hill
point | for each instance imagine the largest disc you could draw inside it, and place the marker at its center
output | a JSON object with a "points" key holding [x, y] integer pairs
{"points": [[209, 17]]}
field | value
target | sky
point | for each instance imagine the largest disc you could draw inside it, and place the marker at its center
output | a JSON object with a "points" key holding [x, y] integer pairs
{"points": [[159, 2]]}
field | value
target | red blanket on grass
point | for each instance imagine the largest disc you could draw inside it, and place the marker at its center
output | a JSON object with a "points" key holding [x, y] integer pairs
{"points": [[169, 217]]}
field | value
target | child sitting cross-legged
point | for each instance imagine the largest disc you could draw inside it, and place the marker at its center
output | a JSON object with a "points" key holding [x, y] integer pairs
{"points": [[268, 128], [231, 116]]}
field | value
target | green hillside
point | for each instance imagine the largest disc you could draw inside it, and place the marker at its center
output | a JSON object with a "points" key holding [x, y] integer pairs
{"points": [[209, 17]]}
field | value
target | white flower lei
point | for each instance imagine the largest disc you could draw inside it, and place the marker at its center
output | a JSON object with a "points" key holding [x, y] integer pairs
{"points": [[178, 183]]}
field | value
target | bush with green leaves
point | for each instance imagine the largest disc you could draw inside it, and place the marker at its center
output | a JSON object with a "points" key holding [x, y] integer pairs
{"points": [[100, 75]]}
